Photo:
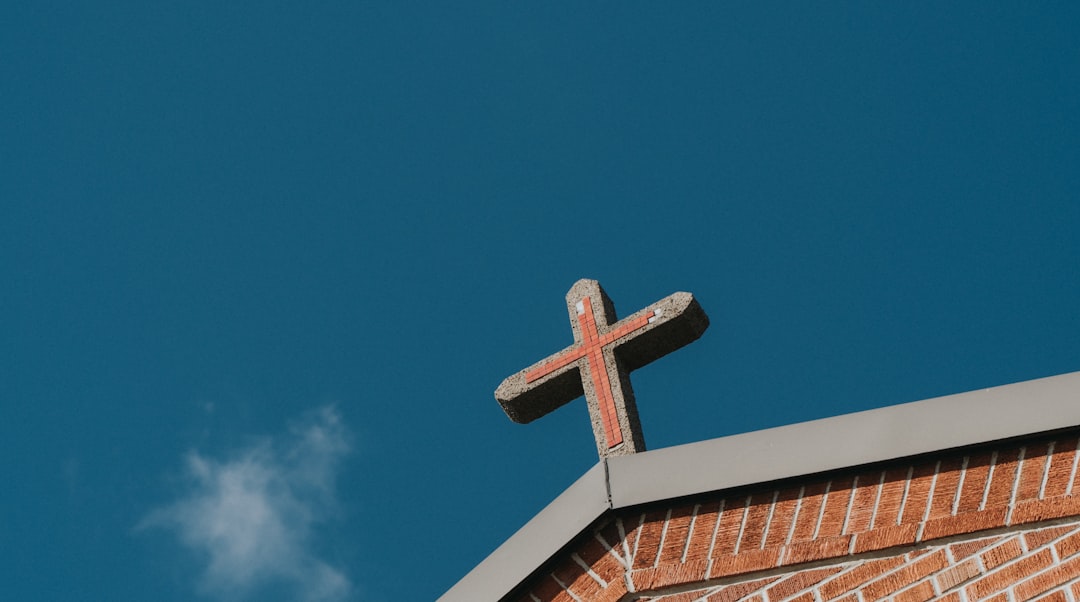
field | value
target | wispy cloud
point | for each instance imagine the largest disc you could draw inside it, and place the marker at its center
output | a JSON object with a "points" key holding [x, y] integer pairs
{"points": [[250, 517]]}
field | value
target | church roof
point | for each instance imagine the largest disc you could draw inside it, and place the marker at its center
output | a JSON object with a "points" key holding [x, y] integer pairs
{"points": [[900, 431]]}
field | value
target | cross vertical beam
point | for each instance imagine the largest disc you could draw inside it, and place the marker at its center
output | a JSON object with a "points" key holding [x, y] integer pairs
{"points": [[599, 363]]}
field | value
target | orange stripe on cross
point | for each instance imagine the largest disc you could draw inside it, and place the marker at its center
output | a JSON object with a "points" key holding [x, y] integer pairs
{"points": [[599, 363]]}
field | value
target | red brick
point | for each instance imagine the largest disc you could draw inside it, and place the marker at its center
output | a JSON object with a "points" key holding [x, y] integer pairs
{"points": [[963, 549], [1002, 553], [1076, 590], [739, 591], [974, 485], [905, 576], [862, 508], [945, 488], [678, 531], [703, 527], [548, 590], [1058, 596], [675, 573], [1031, 472], [918, 493], [920, 593], [1038, 510], [757, 515], [610, 534], [836, 507], [783, 514], [957, 574], [602, 562], [892, 494], [806, 519], [804, 597], [1061, 464], [1009, 574], [745, 562], [1002, 477], [965, 523], [795, 583], [886, 537], [852, 578], [576, 579], [1035, 539], [953, 597], [1068, 546], [730, 521], [1044, 582], [614, 593], [648, 544], [819, 549]]}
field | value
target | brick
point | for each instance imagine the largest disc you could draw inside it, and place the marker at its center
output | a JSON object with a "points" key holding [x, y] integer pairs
{"points": [[953, 597], [745, 562], [892, 494], [799, 581], [945, 488], [836, 507], [974, 483], [739, 591], [648, 544], [862, 507], [1009, 574], [757, 515], [1036, 539], [678, 531], [782, 516], [675, 573], [610, 534], [1068, 546], [548, 590], [854, 577], [809, 509], [1002, 477], [614, 593], [820, 549], [703, 527], [1002, 553], [632, 527], [905, 576], [920, 593], [730, 521], [1044, 582], [1076, 590], [1031, 472], [964, 523], [957, 574], [576, 580], [602, 562], [963, 549], [1058, 596], [804, 597], [1039, 510], [886, 537], [918, 493], [1061, 464]]}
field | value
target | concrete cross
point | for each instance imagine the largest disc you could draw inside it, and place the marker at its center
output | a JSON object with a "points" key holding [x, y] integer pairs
{"points": [[599, 362]]}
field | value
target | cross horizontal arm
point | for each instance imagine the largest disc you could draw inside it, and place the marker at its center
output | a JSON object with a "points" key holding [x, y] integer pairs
{"points": [[638, 339]]}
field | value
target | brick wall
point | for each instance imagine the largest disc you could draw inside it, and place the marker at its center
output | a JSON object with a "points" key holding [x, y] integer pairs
{"points": [[995, 523]]}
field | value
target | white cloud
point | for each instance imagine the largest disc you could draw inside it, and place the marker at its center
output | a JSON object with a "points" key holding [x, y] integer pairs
{"points": [[250, 518]]}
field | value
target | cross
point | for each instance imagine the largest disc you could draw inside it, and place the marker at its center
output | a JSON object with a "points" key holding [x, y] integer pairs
{"points": [[599, 363]]}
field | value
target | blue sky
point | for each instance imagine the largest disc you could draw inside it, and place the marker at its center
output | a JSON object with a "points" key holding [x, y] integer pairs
{"points": [[265, 263]]}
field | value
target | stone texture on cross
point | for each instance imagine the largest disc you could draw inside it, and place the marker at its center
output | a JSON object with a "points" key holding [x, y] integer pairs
{"points": [[599, 363]]}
